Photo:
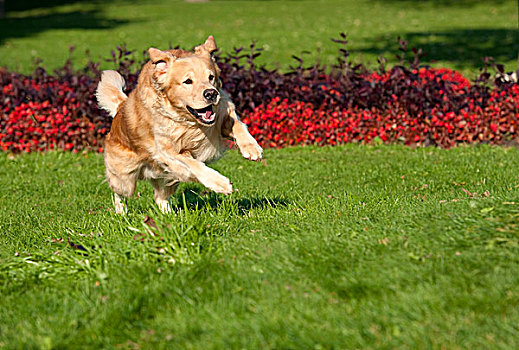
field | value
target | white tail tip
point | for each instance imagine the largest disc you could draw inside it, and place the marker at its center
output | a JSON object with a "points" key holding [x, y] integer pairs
{"points": [[110, 93]]}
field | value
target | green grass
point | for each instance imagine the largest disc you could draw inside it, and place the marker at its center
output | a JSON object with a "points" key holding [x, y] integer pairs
{"points": [[346, 247], [455, 33]]}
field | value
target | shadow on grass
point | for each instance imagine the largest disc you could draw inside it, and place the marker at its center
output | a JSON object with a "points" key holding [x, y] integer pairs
{"points": [[25, 5], [443, 3], [13, 27], [463, 47], [197, 198]]}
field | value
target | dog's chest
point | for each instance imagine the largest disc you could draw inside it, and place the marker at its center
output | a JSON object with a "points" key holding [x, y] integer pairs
{"points": [[206, 149], [204, 145]]}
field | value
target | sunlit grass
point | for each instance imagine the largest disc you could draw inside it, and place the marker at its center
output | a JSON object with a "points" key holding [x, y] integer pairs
{"points": [[346, 247]]}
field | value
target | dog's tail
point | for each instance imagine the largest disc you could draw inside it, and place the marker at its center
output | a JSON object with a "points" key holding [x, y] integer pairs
{"points": [[109, 92]]}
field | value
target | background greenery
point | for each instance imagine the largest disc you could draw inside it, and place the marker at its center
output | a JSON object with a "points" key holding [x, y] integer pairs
{"points": [[455, 34]]}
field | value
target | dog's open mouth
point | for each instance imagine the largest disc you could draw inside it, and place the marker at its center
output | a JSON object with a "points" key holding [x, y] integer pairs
{"points": [[204, 115]]}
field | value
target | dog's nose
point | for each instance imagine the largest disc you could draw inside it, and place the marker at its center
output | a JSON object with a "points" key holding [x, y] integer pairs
{"points": [[210, 95]]}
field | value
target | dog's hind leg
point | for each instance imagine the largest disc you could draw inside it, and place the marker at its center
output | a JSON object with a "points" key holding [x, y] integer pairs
{"points": [[163, 189], [123, 186], [122, 173], [122, 190]]}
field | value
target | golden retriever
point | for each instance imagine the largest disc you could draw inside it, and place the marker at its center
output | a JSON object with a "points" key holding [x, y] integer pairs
{"points": [[170, 125]]}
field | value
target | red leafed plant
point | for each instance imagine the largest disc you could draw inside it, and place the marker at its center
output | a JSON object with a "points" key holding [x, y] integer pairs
{"points": [[283, 123], [37, 126], [408, 103]]}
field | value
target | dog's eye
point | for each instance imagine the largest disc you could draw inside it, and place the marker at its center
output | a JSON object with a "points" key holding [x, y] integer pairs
{"points": [[211, 77], [188, 81]]}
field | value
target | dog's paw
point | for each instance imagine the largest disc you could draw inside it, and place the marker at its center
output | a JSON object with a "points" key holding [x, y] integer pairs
{"points": [[120, 205], [224, 186], [164, 206], [251, 150], [219, 184]]}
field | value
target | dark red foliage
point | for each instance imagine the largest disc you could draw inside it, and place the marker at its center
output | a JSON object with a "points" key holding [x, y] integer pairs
{"points": [[55, 111], [282, 123], [409, 103]]}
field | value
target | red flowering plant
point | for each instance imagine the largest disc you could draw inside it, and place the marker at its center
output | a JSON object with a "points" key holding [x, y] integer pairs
{"points": [[408, 103], [38, 126], [55, 111]]}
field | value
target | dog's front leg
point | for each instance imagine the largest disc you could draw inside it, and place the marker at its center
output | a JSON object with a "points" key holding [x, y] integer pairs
{"points": [[208, 177], [233, 128], [187, 169]]}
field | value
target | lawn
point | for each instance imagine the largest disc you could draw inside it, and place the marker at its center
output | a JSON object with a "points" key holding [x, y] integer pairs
{"points": [[455, 34], [346, 247]]}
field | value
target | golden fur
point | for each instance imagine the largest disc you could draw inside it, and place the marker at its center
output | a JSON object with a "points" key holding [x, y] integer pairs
{"points": [[170, 125]]}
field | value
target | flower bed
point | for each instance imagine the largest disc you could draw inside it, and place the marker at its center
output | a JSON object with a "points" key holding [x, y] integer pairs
{"points": [[45, 112], [409, 103], [282, 122]]}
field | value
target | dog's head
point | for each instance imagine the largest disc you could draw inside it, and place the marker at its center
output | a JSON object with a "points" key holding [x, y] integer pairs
{"points": [[189, 80]]}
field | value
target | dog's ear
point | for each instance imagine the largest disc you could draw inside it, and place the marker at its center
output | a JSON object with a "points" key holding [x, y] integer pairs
{"points": [[208, 47], [161, 61]]}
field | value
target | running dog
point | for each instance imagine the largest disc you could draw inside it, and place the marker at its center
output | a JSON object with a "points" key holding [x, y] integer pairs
{"points": [[175, 120]]}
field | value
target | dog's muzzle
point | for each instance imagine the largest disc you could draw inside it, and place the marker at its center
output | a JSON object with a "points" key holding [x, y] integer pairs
{"points": [[204, 115]]}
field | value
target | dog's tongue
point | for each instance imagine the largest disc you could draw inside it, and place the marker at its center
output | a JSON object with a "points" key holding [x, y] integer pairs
{"points": [[208, 116]]}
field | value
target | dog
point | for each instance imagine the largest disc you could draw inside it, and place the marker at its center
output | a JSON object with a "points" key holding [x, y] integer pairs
{"points": [[174, 122]]}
